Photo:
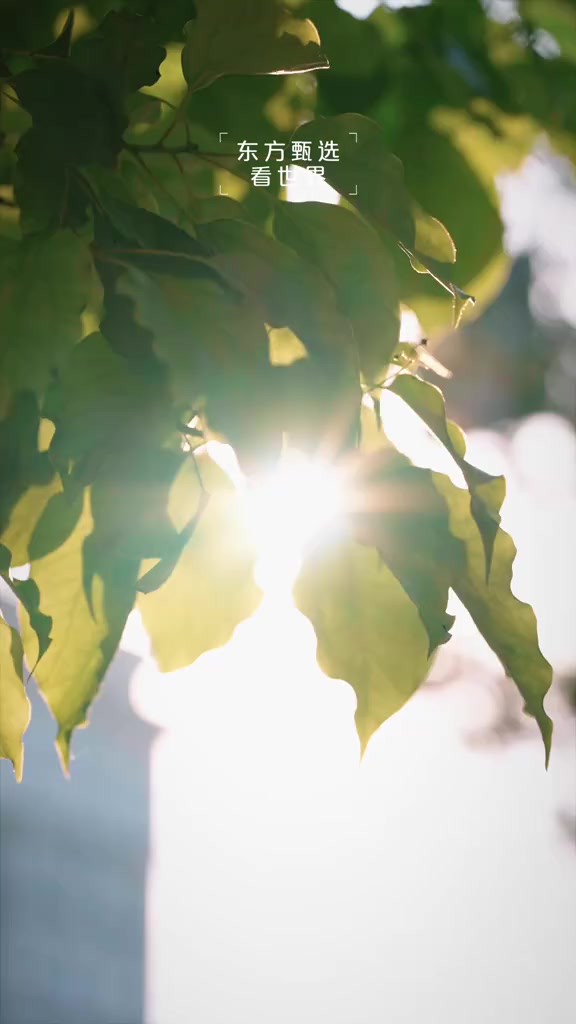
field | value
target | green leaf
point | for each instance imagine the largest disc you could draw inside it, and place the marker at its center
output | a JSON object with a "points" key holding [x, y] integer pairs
{"points": [[445, 175], [211, 589], [14, 703], [48, 194], [160, 573], [101, 405], [120, 226], [123, 53], [399, 512], [460, 300], [229, 375], [74, 122], [487, 492], [61, 46], [507, 624], [57, 521], [45, 284], [24, 469], [366, 174], [216, 208], [29, 597], [129, 502], [84, 638], [5, 558], [359, 268], [26, 592], [71, 113], [369, 632], [147, 230], [134, 237], [288, 291], [215, 346], [432, 238], [24, 517], [249, 37], [285, 347], [209, 337]]}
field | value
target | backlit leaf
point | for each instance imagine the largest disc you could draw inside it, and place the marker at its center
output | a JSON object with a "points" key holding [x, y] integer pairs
{"points": [[289, 293], [249, 37], [432, 238], [360, 269], [448, 183], [57, 521], [24, 517], [45, 284], [102, 404], [26, 592], [61, 45], [367, 174], [507, 624], [129, 502], [84, 638], [15, 715], [212, 340], [161, 572], [398, 511], [211, 589], [369, 632], [486, 491], [318, 400]]}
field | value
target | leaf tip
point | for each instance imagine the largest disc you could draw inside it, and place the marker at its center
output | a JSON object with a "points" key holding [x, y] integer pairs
{"points": [[547, 729], [365, 731], [18, 764], [63, 750]]}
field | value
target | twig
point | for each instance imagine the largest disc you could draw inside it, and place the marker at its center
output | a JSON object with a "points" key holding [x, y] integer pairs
{"points": [[157, 147], [142, 163]]}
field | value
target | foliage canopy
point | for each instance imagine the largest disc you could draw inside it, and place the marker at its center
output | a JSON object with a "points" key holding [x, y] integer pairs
{"points": [[151, 299]]}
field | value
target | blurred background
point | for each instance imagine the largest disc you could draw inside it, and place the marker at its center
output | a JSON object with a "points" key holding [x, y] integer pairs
{"points": [[218, 855]]}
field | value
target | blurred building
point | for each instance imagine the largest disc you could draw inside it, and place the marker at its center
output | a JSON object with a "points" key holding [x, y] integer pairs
{"points": [[73, 857]]}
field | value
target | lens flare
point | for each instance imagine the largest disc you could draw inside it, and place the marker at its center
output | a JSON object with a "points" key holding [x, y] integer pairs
{"points": [[302, 502]]}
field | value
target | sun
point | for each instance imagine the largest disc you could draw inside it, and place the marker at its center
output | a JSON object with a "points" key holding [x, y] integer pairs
{"points": [[302, 502]]}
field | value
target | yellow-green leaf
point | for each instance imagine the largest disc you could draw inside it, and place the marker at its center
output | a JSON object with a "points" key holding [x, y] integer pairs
{"points": [[247, 37], [24, 518], [84, 639], [507, 624], [369, 632], [14, 704], [432, 238], [204, 333], [306, 399], [211, 589], [487, 492], [27, 593], [289, 292], [353, 258], [398, 511], [44, 285], [365, 172]]}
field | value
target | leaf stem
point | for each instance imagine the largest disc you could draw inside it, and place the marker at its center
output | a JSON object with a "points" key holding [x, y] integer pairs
{"points": [[142, 163], [157, 147]]}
